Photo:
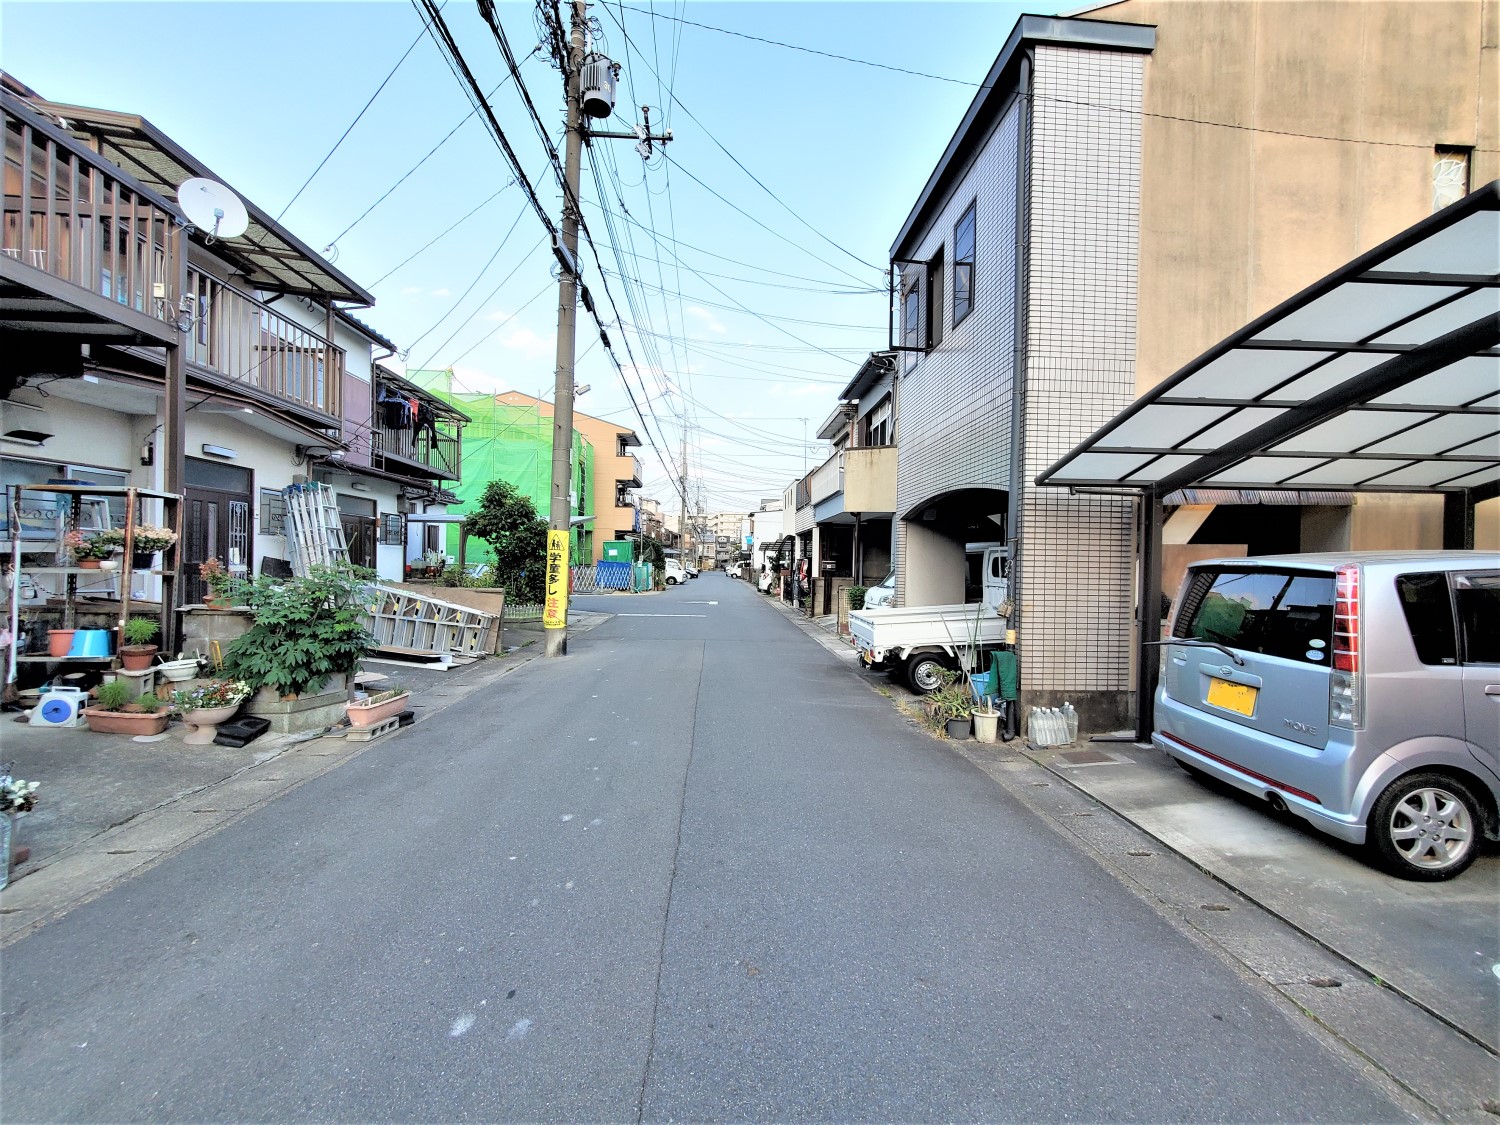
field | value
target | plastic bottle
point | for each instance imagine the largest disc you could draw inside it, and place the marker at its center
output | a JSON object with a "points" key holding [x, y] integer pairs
{"points": [[1071, 716], [1049, 727], [1059, 728]]}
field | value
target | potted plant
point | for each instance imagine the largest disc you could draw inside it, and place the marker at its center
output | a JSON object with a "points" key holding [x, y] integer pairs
{"points": [[950, 708], [205, 707], [217, 578], [306, 630], [986, 722], [149, 538], [89, 552], [17, 797], [372, 710], [137, 652], [115, 713]]}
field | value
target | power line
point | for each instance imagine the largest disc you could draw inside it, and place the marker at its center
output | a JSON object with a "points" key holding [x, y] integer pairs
{"points": [[353, 123], [445, 231], [514, 270], [452, 308]]}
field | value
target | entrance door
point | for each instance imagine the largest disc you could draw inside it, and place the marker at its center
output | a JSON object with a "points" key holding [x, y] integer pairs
{"points": [[216, 523], [357, 517]]}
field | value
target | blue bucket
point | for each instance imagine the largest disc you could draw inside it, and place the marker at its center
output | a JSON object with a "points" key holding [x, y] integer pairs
{"points": [[90, 642]]}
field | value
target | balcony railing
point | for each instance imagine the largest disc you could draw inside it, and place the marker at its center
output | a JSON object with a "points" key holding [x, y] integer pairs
{"points": [[870, 479], [634, 477], [237, 339], [74, 216], [827, 479], [438, 454]]}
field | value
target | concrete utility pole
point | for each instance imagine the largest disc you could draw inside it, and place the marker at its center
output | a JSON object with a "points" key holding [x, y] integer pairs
{"points": [[682, 488], [560, 514], [560, 517]]}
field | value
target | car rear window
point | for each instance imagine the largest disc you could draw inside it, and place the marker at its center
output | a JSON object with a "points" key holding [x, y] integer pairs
{"points": [[1429, 616], [1276, 613]]}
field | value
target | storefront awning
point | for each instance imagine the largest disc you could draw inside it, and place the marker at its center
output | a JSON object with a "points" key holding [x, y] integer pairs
{"points": [[1383, 376]]}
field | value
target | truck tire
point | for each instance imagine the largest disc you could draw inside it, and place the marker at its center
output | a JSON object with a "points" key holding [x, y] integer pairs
{"points": [[923, 671]]}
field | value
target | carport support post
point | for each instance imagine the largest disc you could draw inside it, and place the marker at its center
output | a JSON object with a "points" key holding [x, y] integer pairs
{"points": [[1458, 521], [1148, 656]]}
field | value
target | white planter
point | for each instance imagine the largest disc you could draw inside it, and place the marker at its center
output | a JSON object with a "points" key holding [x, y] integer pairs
{"points": [[986, 727]]}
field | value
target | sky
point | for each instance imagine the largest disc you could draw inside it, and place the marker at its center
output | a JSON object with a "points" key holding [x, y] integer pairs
{"points": [[743, 265]]}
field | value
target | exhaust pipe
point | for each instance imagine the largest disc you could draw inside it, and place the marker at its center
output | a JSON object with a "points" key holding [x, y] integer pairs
{"points": [[1275, 801]]}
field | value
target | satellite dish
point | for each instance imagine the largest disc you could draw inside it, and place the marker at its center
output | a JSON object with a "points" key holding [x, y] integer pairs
{"points": [[212, 208]]}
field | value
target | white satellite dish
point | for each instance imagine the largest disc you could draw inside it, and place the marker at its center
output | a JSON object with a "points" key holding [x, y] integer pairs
{"points": [[212, 208]]}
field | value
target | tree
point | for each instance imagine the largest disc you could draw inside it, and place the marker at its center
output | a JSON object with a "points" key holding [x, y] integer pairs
{"points": [[508, 522]]}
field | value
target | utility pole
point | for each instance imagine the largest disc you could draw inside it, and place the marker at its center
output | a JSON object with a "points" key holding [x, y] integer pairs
{"points": [[560, 514], [682, 489]]}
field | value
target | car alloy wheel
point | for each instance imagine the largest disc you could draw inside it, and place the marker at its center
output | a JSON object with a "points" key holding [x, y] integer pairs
{"points": [[1426, 827], [925, 674]]}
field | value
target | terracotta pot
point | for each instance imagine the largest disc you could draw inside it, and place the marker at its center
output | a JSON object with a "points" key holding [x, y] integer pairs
{"points": [[369, 715], [203, 723], [59, 641], [90, 564], [137, 658], [126, 722]]}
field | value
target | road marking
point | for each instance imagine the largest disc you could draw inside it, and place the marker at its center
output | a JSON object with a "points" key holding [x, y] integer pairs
{"points": [[691, 602], [661, 615]]}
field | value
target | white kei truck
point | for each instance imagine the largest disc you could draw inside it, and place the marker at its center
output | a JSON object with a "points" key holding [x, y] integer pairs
{"points": [[918, 643]]}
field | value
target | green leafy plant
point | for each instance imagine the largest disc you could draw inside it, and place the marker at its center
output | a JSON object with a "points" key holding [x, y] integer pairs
{"points": [[81, 546], [140, 630], [148, 703], [113, 696], [508, 522], [953, 700], [306, 629], [856, 596], [216, 577]]}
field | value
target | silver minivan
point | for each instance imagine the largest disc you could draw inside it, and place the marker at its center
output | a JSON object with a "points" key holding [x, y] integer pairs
{"points": [[1359, 691]]}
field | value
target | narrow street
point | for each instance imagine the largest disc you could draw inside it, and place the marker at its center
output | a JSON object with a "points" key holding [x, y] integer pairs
{"points": [[693, 871]]}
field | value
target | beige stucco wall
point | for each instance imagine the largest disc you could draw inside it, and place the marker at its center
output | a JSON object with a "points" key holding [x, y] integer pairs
{"points": [[870, 479], [934, 572], [1396, 522], [1326, 114]]}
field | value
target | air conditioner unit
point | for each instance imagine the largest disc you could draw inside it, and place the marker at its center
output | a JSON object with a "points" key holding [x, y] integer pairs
{"points": [[60, 707]]}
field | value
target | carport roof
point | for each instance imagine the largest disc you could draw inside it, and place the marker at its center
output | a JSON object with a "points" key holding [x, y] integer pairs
{"points": [[1383, 376]]}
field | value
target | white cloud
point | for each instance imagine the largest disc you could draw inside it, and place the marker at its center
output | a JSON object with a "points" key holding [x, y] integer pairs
{"points": [[708, 319], [440, 292], [476, 380], [529, 343]]}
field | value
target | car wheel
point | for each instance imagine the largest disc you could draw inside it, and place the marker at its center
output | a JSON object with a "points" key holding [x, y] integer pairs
{"points": [[1426, 826], [671, 581], [924, 673]]}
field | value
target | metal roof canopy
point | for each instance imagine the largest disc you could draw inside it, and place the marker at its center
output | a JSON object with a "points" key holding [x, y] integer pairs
{"points": [[276, 257], [1383, 376]]}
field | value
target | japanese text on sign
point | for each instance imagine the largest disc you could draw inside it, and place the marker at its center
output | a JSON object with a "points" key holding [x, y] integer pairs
{"points": [[555, 609]]}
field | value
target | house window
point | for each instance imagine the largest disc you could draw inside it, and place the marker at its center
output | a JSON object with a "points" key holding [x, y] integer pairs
{"points": [[935, 300], [392, 530], [1450, 175], [911, 322], [272, 512], [963, 266], [877, 424]]}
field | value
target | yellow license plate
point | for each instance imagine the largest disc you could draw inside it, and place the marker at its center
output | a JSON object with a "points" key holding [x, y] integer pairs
{"points": [[1239, 698]]}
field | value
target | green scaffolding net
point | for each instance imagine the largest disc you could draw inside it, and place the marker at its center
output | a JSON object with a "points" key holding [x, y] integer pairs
{"points": [[511, 443]]}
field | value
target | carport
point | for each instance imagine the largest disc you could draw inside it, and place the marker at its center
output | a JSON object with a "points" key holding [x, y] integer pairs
{"points": [[1382, 377]]}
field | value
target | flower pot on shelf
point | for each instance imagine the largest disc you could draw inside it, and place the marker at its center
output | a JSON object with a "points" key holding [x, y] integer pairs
{"points": [[137, 658], [203, 723], [109, 564], [59, 641], [179, 671], [90, 564], [142, 560], [132, 720], [365, 714]]}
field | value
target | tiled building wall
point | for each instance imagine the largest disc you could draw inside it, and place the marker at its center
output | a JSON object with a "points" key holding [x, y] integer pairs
{"points": [[1076, 552], [954, 402]]}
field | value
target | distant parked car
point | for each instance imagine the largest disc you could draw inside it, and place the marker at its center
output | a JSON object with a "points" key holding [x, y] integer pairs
{"points": [[1359, 691], [692, 571], [882, 593], [675, 572], [734, 569]]}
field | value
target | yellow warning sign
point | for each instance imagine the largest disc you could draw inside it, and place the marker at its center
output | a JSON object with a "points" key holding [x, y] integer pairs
{"points": [[555, 611]]}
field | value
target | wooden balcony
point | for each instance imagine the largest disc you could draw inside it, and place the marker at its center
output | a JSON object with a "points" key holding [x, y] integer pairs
{"points": [[243, 343], [85, 249]]}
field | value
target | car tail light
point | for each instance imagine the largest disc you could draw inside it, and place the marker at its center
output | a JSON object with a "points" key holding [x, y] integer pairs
{"points": [[1344, 695]]}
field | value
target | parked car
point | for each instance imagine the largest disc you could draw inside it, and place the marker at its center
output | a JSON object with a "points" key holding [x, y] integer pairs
{"points": [[882, 593], [675, 572], [1359, 691], [692, 571], [734, 569]]}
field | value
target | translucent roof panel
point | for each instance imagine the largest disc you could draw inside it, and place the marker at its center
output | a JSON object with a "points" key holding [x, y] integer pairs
{"points": [[1383, 375]]}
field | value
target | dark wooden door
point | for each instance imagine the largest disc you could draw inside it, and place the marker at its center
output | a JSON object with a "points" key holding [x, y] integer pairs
{"points": [[216, 525], [360, 535]]}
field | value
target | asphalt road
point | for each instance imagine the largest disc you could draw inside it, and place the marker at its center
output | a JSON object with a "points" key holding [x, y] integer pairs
{"points": [[694, 871]]}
